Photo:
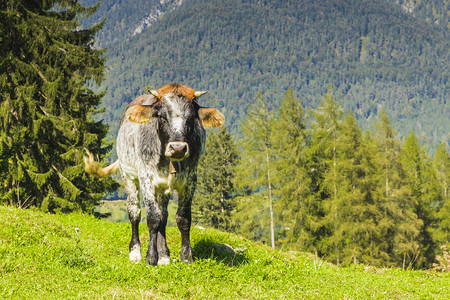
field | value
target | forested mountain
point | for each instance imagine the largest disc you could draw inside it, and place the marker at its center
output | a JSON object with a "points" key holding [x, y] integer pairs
{"points": [[126, 18], [376, 54], [432, 11]]}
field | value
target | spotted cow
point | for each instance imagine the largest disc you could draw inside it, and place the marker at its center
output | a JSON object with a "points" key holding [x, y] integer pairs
{"points": [[160, 140]]}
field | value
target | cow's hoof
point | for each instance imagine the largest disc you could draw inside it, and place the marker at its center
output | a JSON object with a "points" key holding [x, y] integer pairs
{"points": [[186, 254], [187, 258], [135, 255], [163, 261]]}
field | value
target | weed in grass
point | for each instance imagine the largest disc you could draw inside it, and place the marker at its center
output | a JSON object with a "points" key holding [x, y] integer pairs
{"points": [[76, 257]]}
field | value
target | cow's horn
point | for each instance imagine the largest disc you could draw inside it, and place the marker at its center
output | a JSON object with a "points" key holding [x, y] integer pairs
{"points": [[199, 93], [154, 93]]}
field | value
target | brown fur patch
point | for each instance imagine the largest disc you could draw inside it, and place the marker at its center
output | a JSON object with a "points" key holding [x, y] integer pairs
{"points": [[139, 110], [138, 113], [210, 117], [177, 89]]}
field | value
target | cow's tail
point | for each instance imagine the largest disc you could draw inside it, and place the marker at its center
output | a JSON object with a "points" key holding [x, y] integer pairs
{"points": [[92, 167]]}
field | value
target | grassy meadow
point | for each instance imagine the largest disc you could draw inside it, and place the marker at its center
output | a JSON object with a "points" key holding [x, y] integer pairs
{"points": [[71, 256]]}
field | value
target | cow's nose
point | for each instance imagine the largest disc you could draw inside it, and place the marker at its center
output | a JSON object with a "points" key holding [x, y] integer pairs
{"points": [[177, 150]]}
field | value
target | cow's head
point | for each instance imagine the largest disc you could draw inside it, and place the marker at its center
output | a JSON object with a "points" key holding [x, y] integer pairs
{"points": [[179, 117]]}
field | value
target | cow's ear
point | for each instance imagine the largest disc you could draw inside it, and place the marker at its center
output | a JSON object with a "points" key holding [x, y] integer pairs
{"points": [[210, 117], [139, 113]]}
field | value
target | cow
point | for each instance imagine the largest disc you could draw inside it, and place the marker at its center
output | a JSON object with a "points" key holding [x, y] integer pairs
{"points": [[159, 144]]}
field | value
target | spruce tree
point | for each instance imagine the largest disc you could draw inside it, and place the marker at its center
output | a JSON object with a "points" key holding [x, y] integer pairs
{"points": [[216, 190], [47, 64]]}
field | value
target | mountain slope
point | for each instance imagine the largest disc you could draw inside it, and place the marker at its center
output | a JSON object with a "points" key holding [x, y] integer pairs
{"points": [[432, 11], [126, 18], [77, 256], [374, 53]]}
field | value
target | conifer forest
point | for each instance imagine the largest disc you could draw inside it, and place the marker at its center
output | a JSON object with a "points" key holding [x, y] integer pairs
{"points": [[337, 132]]}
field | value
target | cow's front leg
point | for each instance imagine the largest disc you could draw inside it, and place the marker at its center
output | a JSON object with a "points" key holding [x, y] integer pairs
{"points": [[134, 214], [184, 223], [154, 217], [163, 250]]}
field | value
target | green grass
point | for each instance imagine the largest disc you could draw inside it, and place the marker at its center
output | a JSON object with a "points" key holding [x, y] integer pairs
{"points": [[43, 256]]}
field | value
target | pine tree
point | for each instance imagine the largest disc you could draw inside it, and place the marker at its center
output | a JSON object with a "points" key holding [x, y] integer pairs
{"points": [[324, 148], [421, 181], [216, 190], [357, 213], [47, 110], [388, 149], [397, 224], [377, 248], [295, 204], [401, 225], [256, 168], [350, 215]]}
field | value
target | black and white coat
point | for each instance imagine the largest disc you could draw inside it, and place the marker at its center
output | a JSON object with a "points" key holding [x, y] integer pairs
{"points": [[162, 128]]}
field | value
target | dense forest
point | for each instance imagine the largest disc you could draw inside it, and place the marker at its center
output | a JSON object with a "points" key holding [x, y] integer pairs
{"points": [[313, 181], [376, 54]]}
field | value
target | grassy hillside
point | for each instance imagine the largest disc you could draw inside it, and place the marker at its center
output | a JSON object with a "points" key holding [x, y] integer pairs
{"points": [[43, 256]]}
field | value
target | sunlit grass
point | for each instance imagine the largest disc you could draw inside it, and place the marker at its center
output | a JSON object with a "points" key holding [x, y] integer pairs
{"points": [[79, 256]]}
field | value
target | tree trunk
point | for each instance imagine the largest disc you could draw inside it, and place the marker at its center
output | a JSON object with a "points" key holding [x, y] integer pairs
{"points": [[272, 231], [334, 172], [386, 172], [404, 259], [445, 189]]}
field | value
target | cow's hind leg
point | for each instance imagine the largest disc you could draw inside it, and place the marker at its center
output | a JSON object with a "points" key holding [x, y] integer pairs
{"points": [[134, 214], [163, 250]]}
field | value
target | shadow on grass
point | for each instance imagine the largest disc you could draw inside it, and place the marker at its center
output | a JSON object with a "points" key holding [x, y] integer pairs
{"points": [[206, 248], [100, 215]]}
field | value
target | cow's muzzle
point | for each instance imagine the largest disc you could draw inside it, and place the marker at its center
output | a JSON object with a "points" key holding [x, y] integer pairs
{"points": [[177, 150]]}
